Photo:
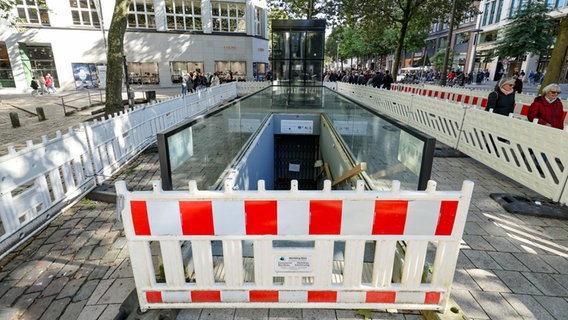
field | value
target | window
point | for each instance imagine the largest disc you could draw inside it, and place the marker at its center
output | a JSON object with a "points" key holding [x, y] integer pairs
{"points": [[6, 75], [84, 13], [29, 11], [258, 21], [143, 73], [178, 68], [142, 14], [237, 68], [499, 9], [184, 15], [228, 17], [42, 62], [492, 12]]}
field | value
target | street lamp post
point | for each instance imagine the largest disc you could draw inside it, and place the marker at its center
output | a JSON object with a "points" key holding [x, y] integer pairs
{"points": [[337, 54], [473, 56], [129, 93]]}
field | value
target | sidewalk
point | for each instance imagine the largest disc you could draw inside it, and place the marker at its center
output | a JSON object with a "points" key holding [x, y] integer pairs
{"points": [[510, 266]]}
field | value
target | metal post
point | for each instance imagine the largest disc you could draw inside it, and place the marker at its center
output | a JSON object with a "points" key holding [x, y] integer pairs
{"points": [[337, 54], [476, 41], [127, 81]]}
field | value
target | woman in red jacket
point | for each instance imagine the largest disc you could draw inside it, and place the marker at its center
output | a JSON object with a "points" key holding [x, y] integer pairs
{"points": [[548, 107]]}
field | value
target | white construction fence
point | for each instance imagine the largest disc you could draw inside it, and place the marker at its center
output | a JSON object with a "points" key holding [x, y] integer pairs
{"points": [[532, 154], [308, 250], [40, 180]]}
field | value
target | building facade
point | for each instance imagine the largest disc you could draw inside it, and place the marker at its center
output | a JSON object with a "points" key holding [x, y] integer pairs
{"points": [[163, 40], [473, 37]]}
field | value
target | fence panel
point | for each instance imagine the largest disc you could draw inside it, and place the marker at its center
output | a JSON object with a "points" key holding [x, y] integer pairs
{"points": [[301, 249], [37, 182], [526, 152]]}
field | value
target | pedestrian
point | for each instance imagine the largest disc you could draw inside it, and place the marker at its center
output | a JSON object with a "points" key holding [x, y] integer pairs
{"points": [[35, 86], [548, 108], [183, 79], [189, 82], [387, 80], [518, 87], [214, 80], [502, 98], [42, 84], [49, 84]]}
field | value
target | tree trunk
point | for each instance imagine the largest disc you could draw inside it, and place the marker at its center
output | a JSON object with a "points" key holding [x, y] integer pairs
{"points": [[400, 42], [398, 50], [558, 56], [115, 57]]}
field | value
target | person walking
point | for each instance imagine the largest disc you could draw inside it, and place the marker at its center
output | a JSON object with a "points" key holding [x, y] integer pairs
{"points": [[387, 80], [548, 108], [502, 98], [35, 86], [518, 87], [214, 80], [49, 84], [183, 80]]}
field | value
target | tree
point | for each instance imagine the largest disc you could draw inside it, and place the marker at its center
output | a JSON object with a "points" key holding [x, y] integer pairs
{"points": [[403, 15], [558, 56], [531, 30], [438, 58], [115, 56], [300, 9]]}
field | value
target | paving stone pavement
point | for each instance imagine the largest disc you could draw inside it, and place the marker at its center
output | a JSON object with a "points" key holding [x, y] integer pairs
{"points": [[510, 266]]}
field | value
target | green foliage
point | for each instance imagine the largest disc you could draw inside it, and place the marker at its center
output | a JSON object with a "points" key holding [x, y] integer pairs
{"points": [[366, 313], [530, 30], [437, 59], [303, 9]]}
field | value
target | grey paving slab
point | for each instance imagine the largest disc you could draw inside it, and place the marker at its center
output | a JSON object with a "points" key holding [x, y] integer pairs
{"points": [[189, 314], [318, 314], [546, 284], [535, 263], [507, 261], [528, 307], [556, 306], [481, 259], [463, 281], [73, 310], [92, 312], [468, 303], [517, 282], [55, 309], [217, 314], [285, 314], [495, 305], [246, 314], [488, 280], [118, 291]]}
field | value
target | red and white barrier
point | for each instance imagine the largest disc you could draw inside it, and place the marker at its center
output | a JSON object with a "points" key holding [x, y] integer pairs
{"points": [[427, 224]]}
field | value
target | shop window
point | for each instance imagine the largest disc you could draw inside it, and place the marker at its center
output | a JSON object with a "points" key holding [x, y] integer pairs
{"points": [[6, 75], [42, 62], [178, 68], [143, 73], [231, 70]]}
